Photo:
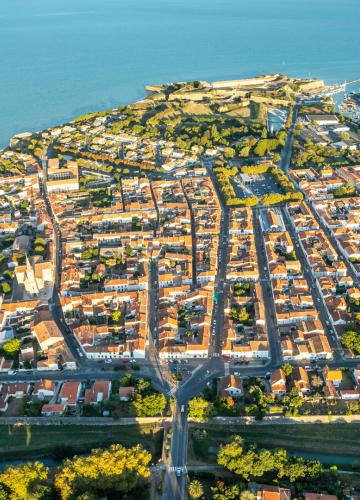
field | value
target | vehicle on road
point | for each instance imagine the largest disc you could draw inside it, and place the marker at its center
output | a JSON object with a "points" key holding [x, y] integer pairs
{"points": [[178, 471], [182, 409]]}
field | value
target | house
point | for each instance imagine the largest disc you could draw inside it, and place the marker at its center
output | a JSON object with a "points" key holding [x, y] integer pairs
{"points": [[319, 496], [47, 333], [278, 382], [53, 410], [350, 394], [70, 392], [322, 120], [230, 385], [267, 492], [126, 393], [45, 388], [333, 376], [99, 392], [301, 380], [15, 390]]}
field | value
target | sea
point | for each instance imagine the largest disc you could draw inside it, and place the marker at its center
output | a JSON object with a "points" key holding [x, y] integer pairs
{"points": [[63, 58]]}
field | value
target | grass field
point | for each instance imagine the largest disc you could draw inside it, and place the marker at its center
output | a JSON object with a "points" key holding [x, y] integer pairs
{"points": [[31, 441], [337, 439]]}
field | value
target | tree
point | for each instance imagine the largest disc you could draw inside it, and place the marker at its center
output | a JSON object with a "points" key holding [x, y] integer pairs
{"points": [[116, 316], [127, 380], [223, 492], [316, 381], [288, 369], [195, 489], [230, 454], [12, 346], [40, 241], [351, 340], [293, 402], [297, 468], [149, 406], [229, 153], [239, 315], [247, 495], [116, 469], [6, 288], [200, 409], [25, 481]]}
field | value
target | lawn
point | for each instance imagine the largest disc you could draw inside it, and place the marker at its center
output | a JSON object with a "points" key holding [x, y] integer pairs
{"points": [[19, 441], [338, 439]]}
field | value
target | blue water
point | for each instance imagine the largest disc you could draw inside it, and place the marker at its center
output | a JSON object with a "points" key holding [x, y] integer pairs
{"points": [[66, 57], [327, 460]]}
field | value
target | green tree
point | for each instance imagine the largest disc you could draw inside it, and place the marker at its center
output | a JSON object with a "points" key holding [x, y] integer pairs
{"points": [[116, 469], [200, 409], [288, 369], [223, 492], [230, 454], [24, 482], [127, 380], [40, 241], [12, 346], [6, 288], [229, 153], [195, 489], [247, 495], [116, 316], [149, 406], [351, 340]]}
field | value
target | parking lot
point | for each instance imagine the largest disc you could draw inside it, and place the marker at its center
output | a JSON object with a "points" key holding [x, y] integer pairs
{"points": [[262, 184]]}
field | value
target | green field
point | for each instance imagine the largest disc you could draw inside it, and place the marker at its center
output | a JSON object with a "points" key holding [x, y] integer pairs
{"points": [[54, 440], [337, 439]]}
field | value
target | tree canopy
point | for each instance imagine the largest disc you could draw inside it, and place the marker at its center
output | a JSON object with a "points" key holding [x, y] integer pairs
{"points": [[116, 469], [25, 481], [351, 340], [253, 463], [195, 489], [200, 409], [149, 406], [11, 347]]}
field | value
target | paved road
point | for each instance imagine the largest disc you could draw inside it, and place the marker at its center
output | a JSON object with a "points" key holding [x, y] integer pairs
{"points": [[220, 279], [287, 150], [193, 236], [316, 295], [335, 244], [271, 324], [175, 479]]}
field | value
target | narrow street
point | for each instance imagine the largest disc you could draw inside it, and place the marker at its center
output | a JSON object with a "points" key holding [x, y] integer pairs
{"points": [[317, 297], [271, 324], [334, 243]]}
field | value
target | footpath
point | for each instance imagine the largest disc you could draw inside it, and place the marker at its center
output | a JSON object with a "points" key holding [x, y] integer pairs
{"points": [[304, 419], [83, 420]]}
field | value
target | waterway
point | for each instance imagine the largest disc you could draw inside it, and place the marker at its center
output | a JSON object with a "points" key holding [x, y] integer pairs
{"points": [[326, 459], [64, 58]]}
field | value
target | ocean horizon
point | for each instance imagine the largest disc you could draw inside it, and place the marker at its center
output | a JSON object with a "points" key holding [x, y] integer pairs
{"points": [[64, 59]]}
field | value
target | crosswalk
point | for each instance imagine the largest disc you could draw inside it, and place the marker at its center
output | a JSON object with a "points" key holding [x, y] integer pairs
{"points": [[171, 392], [173, 469]]}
